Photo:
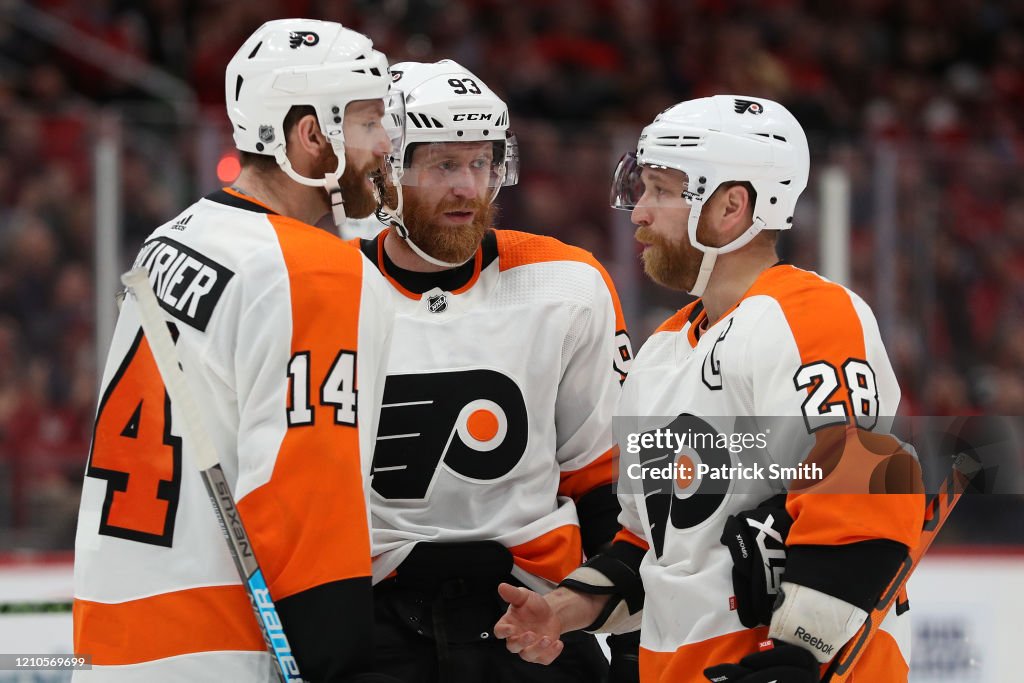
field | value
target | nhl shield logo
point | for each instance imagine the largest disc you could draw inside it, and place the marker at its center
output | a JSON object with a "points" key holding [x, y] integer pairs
{"points": [[266, 133], [437, 303]]}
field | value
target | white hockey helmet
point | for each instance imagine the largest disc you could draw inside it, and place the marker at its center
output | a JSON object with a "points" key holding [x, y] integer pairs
{"points": [[291, 62], [714, 140], [443, 103]]}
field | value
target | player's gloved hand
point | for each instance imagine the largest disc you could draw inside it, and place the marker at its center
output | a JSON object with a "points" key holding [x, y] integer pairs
{"points": [[757, 542], [783, 663], [625, 664]]}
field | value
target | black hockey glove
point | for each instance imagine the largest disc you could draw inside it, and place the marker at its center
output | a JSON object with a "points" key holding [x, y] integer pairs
{"points": [[757, 541], [783, 663], [625, 665]]}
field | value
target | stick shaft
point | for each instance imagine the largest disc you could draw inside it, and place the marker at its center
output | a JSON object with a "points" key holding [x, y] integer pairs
{"points": [[937, 511], [206, 460]]}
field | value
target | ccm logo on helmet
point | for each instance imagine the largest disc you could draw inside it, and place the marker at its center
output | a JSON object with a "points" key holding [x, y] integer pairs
{"points": [[297, 38], [753, 107], [472, 117]]}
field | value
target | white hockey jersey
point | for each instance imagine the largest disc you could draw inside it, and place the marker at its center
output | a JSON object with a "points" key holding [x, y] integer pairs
{"points": [[797, 353], [497, 411], [282, 330]]}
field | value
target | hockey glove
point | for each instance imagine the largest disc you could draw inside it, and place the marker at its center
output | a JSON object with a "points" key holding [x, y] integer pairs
{"points": [[616, 573], [625, 664], [828, 592], [757, 542], [782, 663]]}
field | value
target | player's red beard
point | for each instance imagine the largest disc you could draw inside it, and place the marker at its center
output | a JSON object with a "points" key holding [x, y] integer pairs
{"points": [[674, 264], [358, 195], [450, 243]]}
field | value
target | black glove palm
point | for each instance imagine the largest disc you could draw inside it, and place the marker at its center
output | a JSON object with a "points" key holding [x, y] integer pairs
{"points": [[782, 664]]}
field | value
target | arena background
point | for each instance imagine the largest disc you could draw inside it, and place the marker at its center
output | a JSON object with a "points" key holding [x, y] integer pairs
{"points": [[112, 119]]}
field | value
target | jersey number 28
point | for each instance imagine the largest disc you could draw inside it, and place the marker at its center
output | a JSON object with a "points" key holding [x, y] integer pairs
{"points": [[824, 407]]}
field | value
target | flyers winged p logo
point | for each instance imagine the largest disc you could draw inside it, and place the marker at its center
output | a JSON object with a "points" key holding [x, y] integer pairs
{"points": [[471, 423], [743, 106], [299, 38]]}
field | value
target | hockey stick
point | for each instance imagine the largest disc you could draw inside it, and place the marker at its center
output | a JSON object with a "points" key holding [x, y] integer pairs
{"points": [[52, 607], [166, 357], [937, 510]]}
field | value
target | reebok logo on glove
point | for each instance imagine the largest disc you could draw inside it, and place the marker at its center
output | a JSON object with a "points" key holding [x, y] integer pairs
{"points": [[815, 642]]}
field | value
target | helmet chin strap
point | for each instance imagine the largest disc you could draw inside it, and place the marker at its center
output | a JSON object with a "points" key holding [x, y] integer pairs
{"points": [[404, 234], [393, 217], [337, 201], [707, 263], [330, 182]]}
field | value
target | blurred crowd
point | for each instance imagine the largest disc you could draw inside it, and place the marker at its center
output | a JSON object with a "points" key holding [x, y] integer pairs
{"points": [[935, 86]]}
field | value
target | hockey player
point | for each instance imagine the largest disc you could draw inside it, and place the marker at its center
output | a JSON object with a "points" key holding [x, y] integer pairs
{"points": [[279, 325], [712, 182], [494, 457]]}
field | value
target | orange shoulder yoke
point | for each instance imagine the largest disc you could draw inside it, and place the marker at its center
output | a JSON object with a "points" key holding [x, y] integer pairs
{"points": [[522, 248]]}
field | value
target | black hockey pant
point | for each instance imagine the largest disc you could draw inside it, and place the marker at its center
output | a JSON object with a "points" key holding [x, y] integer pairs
{"points": [[435, 621]]}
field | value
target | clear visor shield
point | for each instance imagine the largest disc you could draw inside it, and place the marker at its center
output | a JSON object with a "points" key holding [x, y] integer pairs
{"points": [[366, 132], [511, 159], [651, 185], [475, 166], [394, 119]]}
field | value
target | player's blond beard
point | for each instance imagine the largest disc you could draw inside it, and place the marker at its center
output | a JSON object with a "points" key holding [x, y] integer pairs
{"points": [[672, 264], [451, 243], [358, 196]]}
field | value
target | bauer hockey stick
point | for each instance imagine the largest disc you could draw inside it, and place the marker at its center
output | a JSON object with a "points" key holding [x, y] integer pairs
{"points": [[166, 357], [937, 510]]}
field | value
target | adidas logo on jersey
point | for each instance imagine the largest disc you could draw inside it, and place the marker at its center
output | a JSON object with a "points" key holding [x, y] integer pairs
{"points": [[181, 223], [187, 284]]}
